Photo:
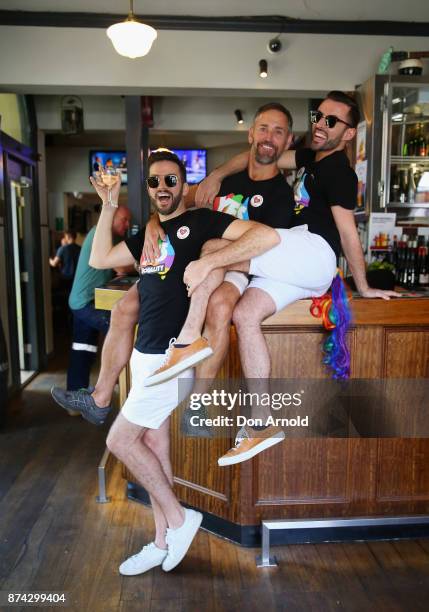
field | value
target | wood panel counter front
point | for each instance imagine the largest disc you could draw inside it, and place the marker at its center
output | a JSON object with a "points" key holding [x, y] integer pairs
{"points": [[317, 477]]}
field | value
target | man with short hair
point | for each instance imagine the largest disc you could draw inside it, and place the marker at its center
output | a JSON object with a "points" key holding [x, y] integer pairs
{"points": [[67, 256], [139, 436]]}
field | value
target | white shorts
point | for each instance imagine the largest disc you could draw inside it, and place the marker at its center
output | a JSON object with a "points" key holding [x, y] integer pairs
{"points": [[150, 406], [302, 265], [240, 280]]}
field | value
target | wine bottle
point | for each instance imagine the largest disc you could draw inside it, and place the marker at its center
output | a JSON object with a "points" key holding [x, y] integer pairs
{"points": [[421, 256], [411, 267], [411, 186], [405, 263], [424, 267]]}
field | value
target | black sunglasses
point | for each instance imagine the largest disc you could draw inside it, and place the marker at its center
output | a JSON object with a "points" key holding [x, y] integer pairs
{"points": [[330, 120], [170, 180]]}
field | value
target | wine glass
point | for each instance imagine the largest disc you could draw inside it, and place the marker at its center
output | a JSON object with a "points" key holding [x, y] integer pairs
{"points": [[109, 176]]}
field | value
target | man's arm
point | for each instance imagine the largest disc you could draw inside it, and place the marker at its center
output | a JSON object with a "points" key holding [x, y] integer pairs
{"points": [[54, 261], [287, 160], [350, 242], [210, 186], [153, 231], [248, 239], [103, 254]]}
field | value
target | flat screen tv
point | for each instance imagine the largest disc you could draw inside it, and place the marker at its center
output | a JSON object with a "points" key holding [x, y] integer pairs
{"points": [[195, 161], [118, 159]]}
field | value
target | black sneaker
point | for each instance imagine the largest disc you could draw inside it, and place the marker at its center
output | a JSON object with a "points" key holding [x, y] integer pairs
{"points": [[81, 401], [195, 431]]}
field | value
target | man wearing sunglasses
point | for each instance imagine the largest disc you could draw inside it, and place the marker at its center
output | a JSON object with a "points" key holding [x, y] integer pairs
{"points": [[139, 436]]}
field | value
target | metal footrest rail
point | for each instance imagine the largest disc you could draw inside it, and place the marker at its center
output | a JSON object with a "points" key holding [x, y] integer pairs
{"points": [[265, 560]]}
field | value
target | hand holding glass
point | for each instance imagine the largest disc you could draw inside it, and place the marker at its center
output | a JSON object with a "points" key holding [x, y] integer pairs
{"points": [[108, 176]]}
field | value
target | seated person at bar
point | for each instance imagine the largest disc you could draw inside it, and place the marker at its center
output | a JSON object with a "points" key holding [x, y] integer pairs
{"points": [[139, 436]]}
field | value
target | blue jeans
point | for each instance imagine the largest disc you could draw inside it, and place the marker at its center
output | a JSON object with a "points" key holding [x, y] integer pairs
{"points": [[87, 323]]}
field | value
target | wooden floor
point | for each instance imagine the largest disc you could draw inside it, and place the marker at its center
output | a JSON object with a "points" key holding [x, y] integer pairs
{"points": [[54, 536]]}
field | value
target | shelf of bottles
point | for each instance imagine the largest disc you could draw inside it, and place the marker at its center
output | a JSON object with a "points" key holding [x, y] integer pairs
{"points": [[407, 257], [409, 150]]}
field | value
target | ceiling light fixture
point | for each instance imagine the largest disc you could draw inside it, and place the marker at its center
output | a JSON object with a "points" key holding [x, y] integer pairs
{"points": [[263, 68], [131, 38], [239, 116]]}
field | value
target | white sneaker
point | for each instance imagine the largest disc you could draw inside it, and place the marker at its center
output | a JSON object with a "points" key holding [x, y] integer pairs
{"points": [[150, 556], [180, 539]]}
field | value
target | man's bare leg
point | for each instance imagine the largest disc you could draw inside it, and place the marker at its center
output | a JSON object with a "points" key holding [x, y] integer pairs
{"points": [[217, 328], [126, 442], [194, 322], [158, 440], [117, 346], [253, 308]]}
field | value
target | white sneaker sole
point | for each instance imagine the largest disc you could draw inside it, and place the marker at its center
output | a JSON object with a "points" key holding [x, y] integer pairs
{"points": [[267, 443], [175, 370], [196, 522]]}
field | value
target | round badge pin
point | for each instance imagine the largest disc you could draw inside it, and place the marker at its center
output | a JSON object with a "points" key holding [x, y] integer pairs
{"points": [[183, 232], [256, 200]]}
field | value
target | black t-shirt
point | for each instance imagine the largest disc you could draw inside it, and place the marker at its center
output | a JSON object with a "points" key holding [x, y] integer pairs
{"points": [[320, 185], [164, 301], [269, 201]]}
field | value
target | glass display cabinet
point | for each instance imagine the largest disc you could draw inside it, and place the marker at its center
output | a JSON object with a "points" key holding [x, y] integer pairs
{"points": [[396, 145]]}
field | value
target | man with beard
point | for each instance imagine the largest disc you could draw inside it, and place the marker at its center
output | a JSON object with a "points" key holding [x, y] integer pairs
{"points": [[258, 192], [139, 436]]}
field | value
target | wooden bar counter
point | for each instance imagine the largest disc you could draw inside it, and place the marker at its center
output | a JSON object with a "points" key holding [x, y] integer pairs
{"points": [[313, 477]]}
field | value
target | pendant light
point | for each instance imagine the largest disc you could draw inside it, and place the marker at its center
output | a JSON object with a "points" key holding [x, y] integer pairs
{"points": [[131, 38]]}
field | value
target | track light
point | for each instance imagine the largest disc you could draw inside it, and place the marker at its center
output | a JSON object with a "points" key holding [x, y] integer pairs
{"points": [[239, 116], [263, 68]]}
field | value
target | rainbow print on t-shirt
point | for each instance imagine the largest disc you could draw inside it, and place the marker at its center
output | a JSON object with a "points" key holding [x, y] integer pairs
{"points": [[301, 196], [163, 263], [234, 205]]}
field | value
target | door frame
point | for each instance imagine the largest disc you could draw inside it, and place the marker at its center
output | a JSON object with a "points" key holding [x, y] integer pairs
{"points": [[10, 149]]}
